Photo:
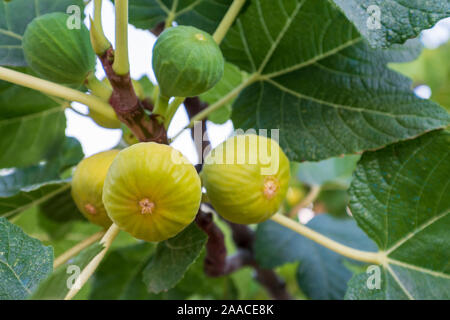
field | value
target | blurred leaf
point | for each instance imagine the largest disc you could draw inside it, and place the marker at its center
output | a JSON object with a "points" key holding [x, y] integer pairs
{"points": [[232, 77], [399, 197], [336, 170], [203, 14], [384, 23], [172, 259], [24, 262], [56, 286], [14, 18], [24, 188], [321, 273], [432, 68], [31, 126], [125, 282]]}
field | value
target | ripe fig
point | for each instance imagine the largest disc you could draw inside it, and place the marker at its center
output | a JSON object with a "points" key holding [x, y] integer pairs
{"points": [[246, 178], [87, 186], [152, 191], [56, 52], [186, 61]]}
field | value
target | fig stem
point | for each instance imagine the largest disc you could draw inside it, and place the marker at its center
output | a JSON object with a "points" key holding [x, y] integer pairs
{"points": [[161, 106], [121, 65], [98, 39], [64, 257], [54, 89], [98, 88], [171, 110], [87, 272], [355, 254], [228, 20]]}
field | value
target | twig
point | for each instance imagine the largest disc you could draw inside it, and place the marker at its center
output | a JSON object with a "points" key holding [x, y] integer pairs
{"points": [[63, 258], [228, 20], [87, 272]]}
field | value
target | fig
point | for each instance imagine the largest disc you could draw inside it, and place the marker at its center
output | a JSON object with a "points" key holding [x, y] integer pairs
{"points": [[56, 52], [87, 186], [246, 178], [186, 61], [151, 191]]}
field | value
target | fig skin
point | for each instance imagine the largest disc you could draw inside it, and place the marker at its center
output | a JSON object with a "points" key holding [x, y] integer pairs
{"points": [[151, 191], [87, 186], [248, 189], [186, 61], [56, 52]]}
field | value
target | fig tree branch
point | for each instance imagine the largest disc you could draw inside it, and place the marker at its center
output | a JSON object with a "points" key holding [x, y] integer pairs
{"points": [[57, 90], [228, 20], [364, 256], [63, 258], [87, 272]]}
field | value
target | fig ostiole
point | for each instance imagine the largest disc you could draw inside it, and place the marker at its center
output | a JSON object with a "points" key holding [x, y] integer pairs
{"points": [[151, 191], [56, 52], [186, 61], [246, 178], [87, 186]]}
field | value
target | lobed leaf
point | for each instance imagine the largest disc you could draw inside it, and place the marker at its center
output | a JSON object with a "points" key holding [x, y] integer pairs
{"points": [[399, 197]]}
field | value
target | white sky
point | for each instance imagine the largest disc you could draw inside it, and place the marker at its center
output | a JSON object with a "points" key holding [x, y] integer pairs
{"points": [[95, 139]]}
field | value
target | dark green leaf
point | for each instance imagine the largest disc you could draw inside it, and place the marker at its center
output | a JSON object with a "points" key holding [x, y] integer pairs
{"points": [[14, 18], [56, 286], [24, 262], [320, 83], [321, 273], [172, 259], [399, 197], [386, 22], [203, 14]]}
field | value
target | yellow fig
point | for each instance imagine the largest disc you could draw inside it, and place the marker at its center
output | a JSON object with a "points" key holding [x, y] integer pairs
{"points": [[87, 186], [151, 191], [246, 178]]}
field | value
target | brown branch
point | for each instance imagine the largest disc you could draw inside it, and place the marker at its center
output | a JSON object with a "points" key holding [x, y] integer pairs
{"points": [[128, 107]]}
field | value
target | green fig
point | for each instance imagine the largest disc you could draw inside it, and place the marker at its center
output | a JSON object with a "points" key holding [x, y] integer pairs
{"points": [[246, 178], [87, 186], [151, 191], [186, 61], [56, 52]]}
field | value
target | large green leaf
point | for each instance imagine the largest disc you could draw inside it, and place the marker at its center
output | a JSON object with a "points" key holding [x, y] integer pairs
{"points": [[393, 21], [172, 259], [317, 81], [14, 18], [322, 273], [24, 188], [399, 197], [24, 262], [31, 126], [204, 14]]}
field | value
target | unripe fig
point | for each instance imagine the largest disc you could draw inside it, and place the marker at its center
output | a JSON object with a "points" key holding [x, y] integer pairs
{"points": [[152, 191], [246, 178], [87, 186], [186, 61], [56, 52]]}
